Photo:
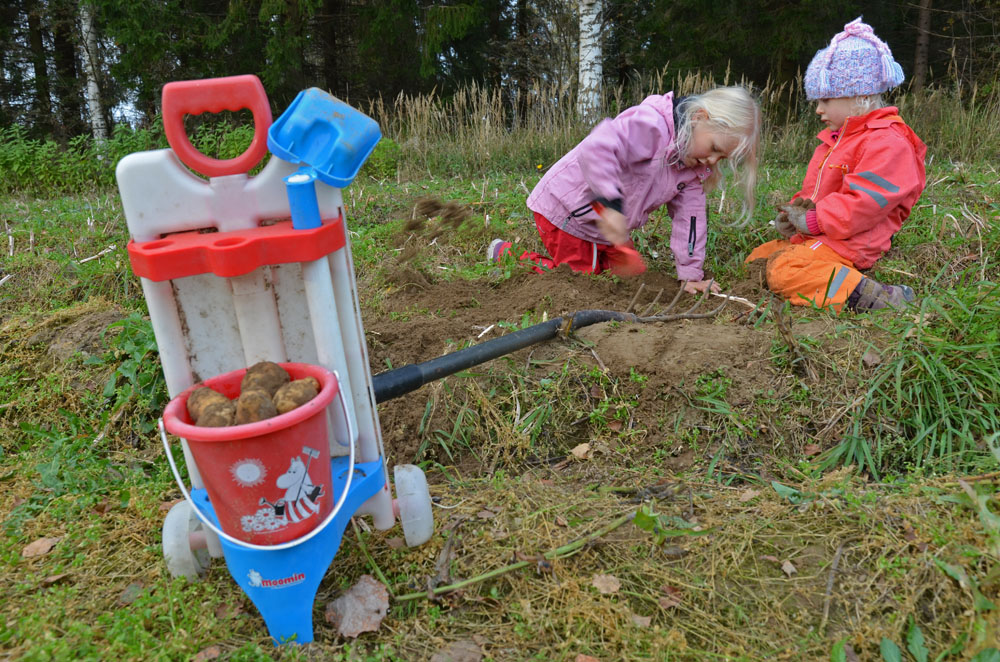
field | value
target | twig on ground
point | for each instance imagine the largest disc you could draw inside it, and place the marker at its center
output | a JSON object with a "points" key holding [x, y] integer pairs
{"points": [[731, 297], [560, 552], [604, 368], [6, 278], [98, 255], [829, 588]]}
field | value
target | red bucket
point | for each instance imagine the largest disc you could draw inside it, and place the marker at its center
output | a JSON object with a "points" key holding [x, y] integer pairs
{"points": [[269, 482]]}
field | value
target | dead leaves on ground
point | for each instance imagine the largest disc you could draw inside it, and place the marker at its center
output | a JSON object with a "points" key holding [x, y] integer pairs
{"points": [[360, 609], [40, 547]]}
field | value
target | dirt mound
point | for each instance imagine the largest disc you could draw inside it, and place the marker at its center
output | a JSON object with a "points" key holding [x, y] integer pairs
{"points": [[421, 318]]}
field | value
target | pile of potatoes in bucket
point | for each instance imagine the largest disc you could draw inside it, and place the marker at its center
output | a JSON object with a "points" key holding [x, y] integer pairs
{"points": [[266, 391]]}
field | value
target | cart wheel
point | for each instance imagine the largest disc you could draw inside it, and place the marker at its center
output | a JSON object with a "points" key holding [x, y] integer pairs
{"points": [[414, 502], [182, 559]]}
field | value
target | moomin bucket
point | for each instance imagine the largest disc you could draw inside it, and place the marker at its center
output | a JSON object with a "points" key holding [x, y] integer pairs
{"points": [[269, 482]]}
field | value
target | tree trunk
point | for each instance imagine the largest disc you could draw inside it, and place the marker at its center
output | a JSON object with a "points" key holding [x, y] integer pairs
{"points": [[588, 101], [89, 57], [40, 72], [64, 39], [922, 45]]}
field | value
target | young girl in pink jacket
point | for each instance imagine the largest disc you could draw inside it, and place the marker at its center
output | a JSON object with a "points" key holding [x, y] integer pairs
{"points": [[664, 151], [860, 185]]}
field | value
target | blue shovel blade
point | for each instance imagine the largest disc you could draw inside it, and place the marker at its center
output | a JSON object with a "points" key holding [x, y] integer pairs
{"points": [[322, 132]]}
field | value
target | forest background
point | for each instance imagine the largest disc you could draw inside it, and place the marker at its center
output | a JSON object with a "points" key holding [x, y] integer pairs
{"points": [[82, 67]]}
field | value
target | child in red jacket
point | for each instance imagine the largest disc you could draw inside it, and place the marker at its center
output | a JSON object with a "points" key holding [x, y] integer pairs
{"points": [[860, 185]]}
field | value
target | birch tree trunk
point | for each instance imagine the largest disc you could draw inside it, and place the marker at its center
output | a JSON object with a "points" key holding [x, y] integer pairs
{"points": [[588, 101], [89, 56], [922, 44]]}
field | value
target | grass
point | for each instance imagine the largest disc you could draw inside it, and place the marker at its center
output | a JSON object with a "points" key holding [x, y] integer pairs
{"points": [[908, 535]]}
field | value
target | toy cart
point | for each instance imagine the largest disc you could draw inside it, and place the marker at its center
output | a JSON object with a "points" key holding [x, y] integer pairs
{"points": [[238, 269]]}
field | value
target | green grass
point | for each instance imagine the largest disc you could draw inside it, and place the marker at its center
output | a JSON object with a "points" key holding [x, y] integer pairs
{"points": [[925, 413]]}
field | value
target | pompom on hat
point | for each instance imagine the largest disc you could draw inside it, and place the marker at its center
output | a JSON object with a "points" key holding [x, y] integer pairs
{"points": [[856, 63]]}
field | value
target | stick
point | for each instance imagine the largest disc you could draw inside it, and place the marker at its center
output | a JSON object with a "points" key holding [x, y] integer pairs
{"points": [[559, 552], [732, 297], [6, 278], [829, 588], [98, 255], [604, 368]]}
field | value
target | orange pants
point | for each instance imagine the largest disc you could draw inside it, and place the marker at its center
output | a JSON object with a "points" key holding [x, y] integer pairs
{"points": [[809, 273]]}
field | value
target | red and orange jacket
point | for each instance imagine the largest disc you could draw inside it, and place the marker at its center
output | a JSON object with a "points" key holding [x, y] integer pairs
{"points": [[864, 181]]}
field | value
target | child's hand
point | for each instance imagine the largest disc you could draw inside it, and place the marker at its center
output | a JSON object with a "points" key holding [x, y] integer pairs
{"points": [[698, 286], [613, 225], [783, 225], [796, 214]]}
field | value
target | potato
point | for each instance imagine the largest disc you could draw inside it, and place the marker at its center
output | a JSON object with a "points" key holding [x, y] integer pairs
{"points": [[264, 376], [295, 394], [217, 414], [201, 398], [254, 405]]}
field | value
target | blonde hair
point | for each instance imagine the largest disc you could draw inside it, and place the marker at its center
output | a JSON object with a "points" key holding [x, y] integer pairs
{"points": [[867, 103], [734, 112]]}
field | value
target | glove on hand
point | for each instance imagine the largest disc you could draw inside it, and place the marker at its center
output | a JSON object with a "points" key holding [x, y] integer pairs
{"points": [[794, 217], [783, 225]]}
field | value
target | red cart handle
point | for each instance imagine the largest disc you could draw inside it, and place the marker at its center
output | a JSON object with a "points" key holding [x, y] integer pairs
{"points": [[213, 95]]}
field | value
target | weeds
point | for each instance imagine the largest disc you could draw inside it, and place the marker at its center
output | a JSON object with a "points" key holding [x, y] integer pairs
{"points": [[936, 400]]}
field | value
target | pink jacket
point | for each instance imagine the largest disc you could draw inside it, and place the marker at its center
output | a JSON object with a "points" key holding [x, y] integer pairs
{"points": [[626, 159], [864, 182]]}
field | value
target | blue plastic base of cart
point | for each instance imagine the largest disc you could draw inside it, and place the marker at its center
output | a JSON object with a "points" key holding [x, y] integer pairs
{"points": [[283, 583]]}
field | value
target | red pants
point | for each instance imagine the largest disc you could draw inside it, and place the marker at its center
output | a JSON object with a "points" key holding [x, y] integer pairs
{"points": [[807, 273], [580, 254]]}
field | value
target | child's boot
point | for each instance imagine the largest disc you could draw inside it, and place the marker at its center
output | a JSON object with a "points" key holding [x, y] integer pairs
{"points": [[496, 250], [872, 295]]}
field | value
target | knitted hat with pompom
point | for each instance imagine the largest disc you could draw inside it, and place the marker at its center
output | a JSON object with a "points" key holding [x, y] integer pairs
{"points": [[856, 63]]}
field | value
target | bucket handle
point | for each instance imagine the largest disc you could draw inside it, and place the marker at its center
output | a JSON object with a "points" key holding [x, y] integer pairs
{"points": [[284, 545]]}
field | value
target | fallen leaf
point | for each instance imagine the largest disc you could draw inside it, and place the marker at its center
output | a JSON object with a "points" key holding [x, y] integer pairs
{"points": [[772, 559], [561, 521], [642, 621], [614, 426], [811, 449], [54, 579], [360, 609], [395, 542], [102, 508], [224, 611], [582, 451], [547, 482], [40, 547], [130, 594], [209, 653], [748, 495], [486, 514], [788, 568], [17, 502], [851, 655], [596, 393], [462, 650], [908, 533], [871, 358], [585, 658], [606, 584], [671, 598]]}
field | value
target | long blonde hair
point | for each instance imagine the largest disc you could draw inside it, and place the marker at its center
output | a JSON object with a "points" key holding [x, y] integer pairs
{"points": [[734, 112]]}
